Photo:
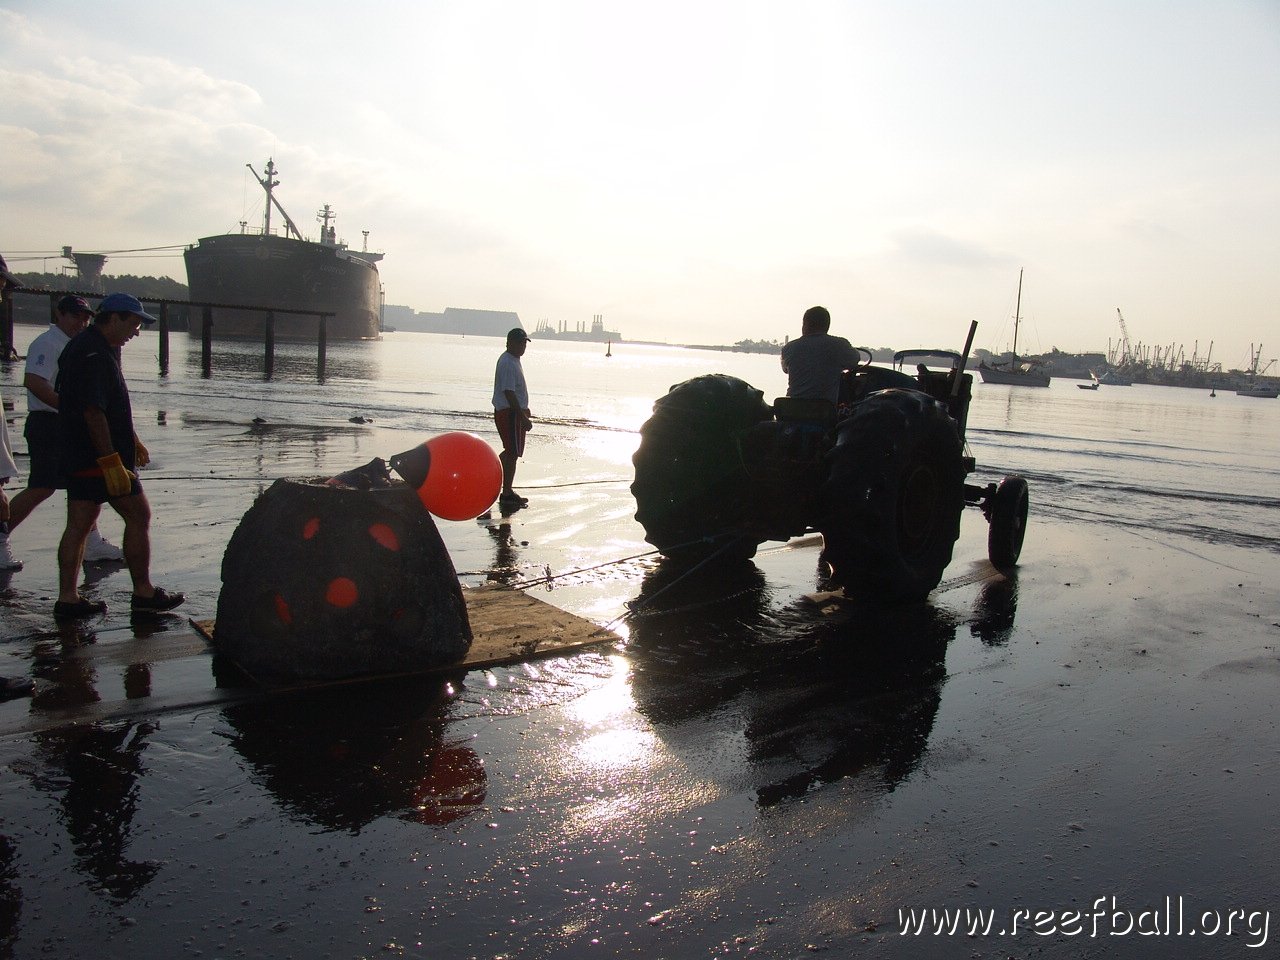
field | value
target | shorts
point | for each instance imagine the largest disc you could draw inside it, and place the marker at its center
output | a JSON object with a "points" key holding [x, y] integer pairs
{"points": [[93, 487], [511, 429], [44, 433]]}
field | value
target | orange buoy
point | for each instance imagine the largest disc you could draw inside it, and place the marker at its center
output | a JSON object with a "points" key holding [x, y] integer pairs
{"points": [[457, 475]]}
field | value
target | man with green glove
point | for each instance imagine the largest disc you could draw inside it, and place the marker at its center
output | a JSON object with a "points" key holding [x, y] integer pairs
{"points": [[100, 453]]}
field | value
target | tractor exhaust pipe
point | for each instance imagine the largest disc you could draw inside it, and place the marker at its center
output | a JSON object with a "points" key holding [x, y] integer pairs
{"points": [[964, 359]]}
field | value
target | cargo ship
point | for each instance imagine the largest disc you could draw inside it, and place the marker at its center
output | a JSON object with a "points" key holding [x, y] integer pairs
{"points": [[285, 271]]}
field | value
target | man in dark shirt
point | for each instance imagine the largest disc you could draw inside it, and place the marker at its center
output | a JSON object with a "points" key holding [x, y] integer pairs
{"points": [[813, 362], [100, 453]]}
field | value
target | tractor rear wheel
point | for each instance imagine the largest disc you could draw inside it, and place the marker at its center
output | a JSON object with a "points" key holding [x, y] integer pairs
{"points": [[693, 493], [893, 496]]}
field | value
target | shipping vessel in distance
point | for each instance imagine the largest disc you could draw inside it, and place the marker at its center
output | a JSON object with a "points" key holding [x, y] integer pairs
{"points": [[287, 272]]}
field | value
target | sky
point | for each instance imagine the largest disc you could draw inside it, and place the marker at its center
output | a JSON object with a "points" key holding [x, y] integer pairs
{"points": [[696, 172]]}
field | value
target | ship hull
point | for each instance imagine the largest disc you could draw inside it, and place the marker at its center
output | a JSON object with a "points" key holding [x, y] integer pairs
{"points": [[1014, 378], [1259, 390], [269, 271]]}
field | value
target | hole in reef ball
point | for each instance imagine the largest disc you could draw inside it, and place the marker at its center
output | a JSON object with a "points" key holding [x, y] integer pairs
{"points": [[342, 592], [384, 536]]}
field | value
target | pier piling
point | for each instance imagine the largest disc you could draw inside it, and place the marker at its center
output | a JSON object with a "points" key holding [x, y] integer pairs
{"points": [[164, 338], [269, 359]]}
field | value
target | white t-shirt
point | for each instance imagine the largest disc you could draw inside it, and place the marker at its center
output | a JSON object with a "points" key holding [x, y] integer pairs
{"points": [[42, 360], [509, 376]]}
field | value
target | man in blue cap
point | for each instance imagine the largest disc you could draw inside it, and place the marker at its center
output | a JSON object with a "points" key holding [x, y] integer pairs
{"points": [[100, 454], [71, 316]]}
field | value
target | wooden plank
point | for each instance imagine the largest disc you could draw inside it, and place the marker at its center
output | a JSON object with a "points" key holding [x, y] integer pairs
{"points": [[509, 626]]}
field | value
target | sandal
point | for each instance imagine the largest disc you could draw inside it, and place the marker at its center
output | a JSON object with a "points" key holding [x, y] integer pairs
{"points": [[77, 610], [158, 602]]}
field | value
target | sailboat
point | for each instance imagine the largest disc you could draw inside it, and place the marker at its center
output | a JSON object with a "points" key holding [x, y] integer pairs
{"points": [[1025, 373], [1253, 387]]}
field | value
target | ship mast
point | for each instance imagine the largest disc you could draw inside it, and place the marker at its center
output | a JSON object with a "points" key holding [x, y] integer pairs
{"points": [[268, 183], [1016, 311], [324, 216]]}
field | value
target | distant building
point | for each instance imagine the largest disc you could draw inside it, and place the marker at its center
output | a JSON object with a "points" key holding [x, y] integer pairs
{"points": [[455, 320], [597, 332]]}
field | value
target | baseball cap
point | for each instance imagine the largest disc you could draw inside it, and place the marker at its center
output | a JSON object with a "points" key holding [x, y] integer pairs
{"points": [[124, 303], [517, 333], [74, 304], [6, 276]]}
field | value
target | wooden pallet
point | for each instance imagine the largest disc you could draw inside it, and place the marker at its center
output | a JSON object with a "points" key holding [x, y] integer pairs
{"points": [[508, 626]]}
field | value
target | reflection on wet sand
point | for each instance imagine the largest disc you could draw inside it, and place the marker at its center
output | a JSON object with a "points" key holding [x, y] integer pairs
{"points": [[822, 697], [341, 758], [995, 610], [506, 561], [94, 769], [10, 891]]}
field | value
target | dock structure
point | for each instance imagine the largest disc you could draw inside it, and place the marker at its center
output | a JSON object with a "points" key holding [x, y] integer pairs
{"points": [[164, 326]]}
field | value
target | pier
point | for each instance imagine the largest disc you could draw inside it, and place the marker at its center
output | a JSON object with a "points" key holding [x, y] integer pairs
{"points": [[163, 326]]}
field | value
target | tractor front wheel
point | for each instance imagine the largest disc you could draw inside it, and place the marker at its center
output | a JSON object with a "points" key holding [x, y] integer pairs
{"points": [[1007, 514], [893, 496]]}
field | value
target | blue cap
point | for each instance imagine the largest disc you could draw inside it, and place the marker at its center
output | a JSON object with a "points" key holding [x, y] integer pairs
{"points": [[124, 303]]}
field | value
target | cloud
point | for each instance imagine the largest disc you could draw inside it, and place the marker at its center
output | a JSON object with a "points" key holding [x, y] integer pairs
{"points": [[923, 247]]}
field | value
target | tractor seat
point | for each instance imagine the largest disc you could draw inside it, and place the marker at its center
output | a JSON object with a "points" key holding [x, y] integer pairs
{"points": [[795, 410]]}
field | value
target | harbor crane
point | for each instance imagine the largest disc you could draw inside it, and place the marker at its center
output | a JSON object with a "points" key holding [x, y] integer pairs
{"points": [[1125, 348]]}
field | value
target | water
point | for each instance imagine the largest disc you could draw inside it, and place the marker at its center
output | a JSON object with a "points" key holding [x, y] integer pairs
{"points": [[1161, 459]]}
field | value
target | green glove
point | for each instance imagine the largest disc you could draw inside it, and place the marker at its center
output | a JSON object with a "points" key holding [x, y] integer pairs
{"points": [[119, 480]]}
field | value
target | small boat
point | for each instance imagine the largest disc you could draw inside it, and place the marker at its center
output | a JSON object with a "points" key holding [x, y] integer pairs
{"points": [[1259, 390], [608, 351], [1088, 386], [1113, 379], [1253, 387], [1015, 372]]}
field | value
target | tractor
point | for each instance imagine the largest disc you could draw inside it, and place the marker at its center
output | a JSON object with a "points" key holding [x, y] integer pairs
{"points": [[883, 474]]}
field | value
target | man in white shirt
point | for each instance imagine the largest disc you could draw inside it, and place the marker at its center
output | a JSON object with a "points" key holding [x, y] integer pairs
{"points": [[814, 362], [511, 412], [71, 316], [7, 467]]}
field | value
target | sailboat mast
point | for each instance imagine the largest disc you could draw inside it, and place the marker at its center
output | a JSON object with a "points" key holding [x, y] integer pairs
{"points": [[1017, 310]]}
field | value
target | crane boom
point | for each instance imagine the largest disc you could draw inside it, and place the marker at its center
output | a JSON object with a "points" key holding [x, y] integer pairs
{"points": [[1126, 349]]}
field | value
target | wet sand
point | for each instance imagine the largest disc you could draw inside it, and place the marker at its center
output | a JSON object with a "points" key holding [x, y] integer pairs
{"points": [[749, 772]]}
